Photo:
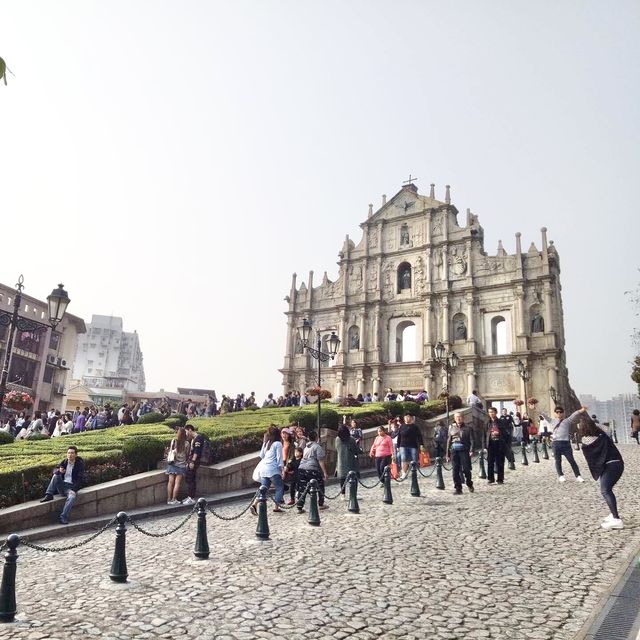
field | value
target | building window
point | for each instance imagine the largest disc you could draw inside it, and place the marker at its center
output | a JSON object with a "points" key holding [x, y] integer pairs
{"points": [[48, 375], [22, 371], [498, 336], [406, 342], [28, 341]]}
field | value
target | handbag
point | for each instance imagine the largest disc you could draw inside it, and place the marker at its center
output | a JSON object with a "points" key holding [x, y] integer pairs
{"points": [[256, 472], [171, 456], [394, 470], [424, 459]]}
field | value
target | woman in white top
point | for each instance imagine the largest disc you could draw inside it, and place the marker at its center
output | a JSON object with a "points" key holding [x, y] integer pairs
{"points": [[272, 465]]}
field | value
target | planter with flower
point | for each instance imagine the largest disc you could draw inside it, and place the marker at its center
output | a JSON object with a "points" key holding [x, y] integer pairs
{"points": [[17, 400], [532, 402], [518, 402], [315, 391]]}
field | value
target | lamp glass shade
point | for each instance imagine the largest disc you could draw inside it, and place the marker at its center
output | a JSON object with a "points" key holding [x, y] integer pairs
{"points": [[453, 359], [334, 343], [520, 367], [305, 331], [58, 302], [439, 351]]}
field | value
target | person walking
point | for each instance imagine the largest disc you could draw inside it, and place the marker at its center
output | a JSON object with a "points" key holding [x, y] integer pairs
{"points": [[495, 442], [409, 443], [605, 464], [346, 456], [561, 440], [177, 467], [312, 467], [459, 448], [635, 425], [506, 421], [382, 451]]}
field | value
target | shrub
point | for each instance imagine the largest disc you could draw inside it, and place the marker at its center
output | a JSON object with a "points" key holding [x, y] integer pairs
{"points": [[37, 436], [142, 453], [455, 402], [411, 408], [6, 438], [174, 423], [393, 407], [252, 407], [150, 418], [180, 418], [308, 419]]}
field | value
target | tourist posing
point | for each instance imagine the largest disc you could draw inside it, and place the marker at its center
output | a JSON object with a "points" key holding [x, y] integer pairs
{"points": [[561, 438], [346, 456], [409, 443], [382, 451], [196, 444], [605, 464], [271, 467], [177, 468], [459, 449], [67, 480]]}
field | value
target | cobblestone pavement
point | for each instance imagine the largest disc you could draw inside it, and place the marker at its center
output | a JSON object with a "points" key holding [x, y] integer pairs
{"points": [[524, 560]]}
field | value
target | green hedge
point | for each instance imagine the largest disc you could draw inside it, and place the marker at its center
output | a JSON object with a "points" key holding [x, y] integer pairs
{"points": [[308, 418], [143, 453], [150, 418], [6, 438]]}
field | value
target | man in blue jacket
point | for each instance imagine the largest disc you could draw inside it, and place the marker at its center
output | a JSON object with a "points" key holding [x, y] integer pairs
{"points": [[67, 480]]}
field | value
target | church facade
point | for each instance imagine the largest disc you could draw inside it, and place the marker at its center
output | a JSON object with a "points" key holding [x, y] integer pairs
{"points": [[420, 276]]}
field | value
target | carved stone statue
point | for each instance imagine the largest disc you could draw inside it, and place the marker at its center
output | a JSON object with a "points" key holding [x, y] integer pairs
{"points": [[354, 340], [537, 324], [460, 330], [404, 234], [405, 279]]}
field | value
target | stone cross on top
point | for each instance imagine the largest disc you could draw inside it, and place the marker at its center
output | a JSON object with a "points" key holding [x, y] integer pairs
{"points": [[411, 180]]}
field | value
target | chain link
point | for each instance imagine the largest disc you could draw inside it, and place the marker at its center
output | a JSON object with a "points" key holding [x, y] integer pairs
{"points": [[284, 507], [366, 486], [151, 534], [213, 512], [37, 547], [337, 494], [426, 475]]}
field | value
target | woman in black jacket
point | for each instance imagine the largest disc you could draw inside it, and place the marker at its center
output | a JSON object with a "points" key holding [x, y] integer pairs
{"points": [[605, 464]]}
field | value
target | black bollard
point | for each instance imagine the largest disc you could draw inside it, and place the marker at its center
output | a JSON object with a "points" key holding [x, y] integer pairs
{"points": [[415, 488], [536, 457], [201, 550], [439, 478], [545, 451], [119, 565], [8, 608], [352, 479], [387, 498], [262, 529], [314, 513], [525, 460], [483, 472]]}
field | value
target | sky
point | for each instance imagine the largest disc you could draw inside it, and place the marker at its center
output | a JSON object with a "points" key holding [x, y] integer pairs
{"points": [[174, 163]]}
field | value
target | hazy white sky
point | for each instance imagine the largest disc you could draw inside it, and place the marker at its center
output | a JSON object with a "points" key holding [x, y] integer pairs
{"points": [[174, 162]]}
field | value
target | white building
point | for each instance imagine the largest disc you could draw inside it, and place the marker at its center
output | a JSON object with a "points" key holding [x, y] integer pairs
{"points": [[616, 409], [109, 358]]}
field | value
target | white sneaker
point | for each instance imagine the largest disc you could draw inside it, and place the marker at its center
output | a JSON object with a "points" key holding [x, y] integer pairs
{"points": [[188, 500], [614, 523], [172, 502], [579, 479], [561, 479], [609, 517], [404, 475], [343, 497]]}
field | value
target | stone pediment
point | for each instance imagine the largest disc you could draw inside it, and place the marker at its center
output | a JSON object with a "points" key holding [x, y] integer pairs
{"points": [[405, 203]]}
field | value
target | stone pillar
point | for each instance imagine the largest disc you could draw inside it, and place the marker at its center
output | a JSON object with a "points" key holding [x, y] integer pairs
{"points": [[445, 320], [363, 329], [376, 331], [547, 308], [375, 382], [426, 338], [520, 311], [552, 375], [360, 381], [471, 381], [339, 386], [471, 332]]}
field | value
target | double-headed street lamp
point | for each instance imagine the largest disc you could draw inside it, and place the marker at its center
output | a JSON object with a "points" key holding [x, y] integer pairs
{"points": [[525, 375], [304, 332], [57, 301], [448, 362]]}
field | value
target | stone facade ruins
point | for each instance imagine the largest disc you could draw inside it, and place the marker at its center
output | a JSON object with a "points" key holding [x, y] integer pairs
{"points": [[419, 276]]}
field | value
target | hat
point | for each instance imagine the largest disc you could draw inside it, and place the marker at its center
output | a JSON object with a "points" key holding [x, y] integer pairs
{"points": [[287, 430]]}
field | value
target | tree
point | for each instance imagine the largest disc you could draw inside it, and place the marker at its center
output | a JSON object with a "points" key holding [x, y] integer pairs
{"points": [[634, 297]]}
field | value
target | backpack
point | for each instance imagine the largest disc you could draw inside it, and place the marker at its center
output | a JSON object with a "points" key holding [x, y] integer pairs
{"points": [[206, 457]]}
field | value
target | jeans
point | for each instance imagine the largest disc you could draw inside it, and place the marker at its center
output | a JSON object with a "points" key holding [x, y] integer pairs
{"points": [[608, 479], [495, 456], [461, 468], [563, 448], [58, 485], [277, 483], [190, 479], [408, 454]]}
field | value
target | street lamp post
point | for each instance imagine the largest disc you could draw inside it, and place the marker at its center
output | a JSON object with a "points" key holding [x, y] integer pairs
{"points": [[304, 333], [525, 375], [448, 362], [57, 302], [553, 394]]}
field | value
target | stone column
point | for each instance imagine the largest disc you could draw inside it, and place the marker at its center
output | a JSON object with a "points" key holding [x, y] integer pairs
{"points": [[552, 375], [375, 382], [426, 338], [339, 386], [445, 320], [471, 333], [520, 311], [360, 386], [547, 308], [363, 329], [471, 382]]}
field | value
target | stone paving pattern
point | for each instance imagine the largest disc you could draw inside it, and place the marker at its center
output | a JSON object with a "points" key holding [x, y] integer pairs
{"points": [[524, 560]]}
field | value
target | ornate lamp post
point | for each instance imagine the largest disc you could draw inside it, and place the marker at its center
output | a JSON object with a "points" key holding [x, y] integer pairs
{"points": [[57, 301], [448, 362], [304, 333], [553, 394]]}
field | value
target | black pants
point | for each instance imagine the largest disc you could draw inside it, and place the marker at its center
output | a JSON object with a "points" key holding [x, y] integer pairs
{"points": [[293, 483], [508, 452], [190, 480], [304, 475], [381, 463], [564, 448], [495, 457], [461, 468], [608, 479]]}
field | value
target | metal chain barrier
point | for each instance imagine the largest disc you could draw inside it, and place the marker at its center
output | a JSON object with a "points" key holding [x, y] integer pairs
{"points": [[337, 494], [151, 534], [427, 475], [37, 547], [366, 486], [444, 466], [213, 512]]}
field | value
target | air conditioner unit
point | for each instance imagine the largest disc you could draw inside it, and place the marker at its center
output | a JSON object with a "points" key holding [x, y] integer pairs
{"points": [[63, 363], [59, 362], [51, 359]]}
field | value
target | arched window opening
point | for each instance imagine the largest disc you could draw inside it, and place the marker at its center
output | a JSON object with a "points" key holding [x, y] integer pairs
{"points": [[354, 338], [404, 277], [459, 326], [498, 336], [406, 342]]}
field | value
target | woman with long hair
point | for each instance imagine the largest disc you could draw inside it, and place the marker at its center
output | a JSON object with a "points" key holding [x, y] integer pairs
{"points": [[382, 450], [177, 467], [271, 465], [346, 456], [605, 463]]}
